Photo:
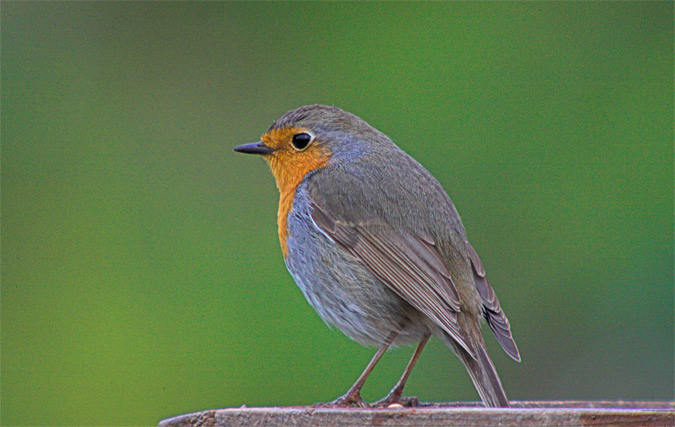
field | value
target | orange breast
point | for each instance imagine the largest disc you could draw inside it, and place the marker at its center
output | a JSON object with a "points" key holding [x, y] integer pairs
{"points": [[289, 168]]}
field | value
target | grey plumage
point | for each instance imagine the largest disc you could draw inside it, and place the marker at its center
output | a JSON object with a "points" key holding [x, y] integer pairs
{"points": [[377, 247]]}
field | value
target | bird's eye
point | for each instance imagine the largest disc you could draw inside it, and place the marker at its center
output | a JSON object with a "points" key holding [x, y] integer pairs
{"points": [[301, 140]]}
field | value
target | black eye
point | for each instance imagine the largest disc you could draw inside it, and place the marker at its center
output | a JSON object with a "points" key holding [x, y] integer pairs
{"points": [[301, 140]]}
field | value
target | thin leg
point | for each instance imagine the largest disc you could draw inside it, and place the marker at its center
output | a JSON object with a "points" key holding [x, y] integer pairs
{"points": [[395, 394], [353, 395]]}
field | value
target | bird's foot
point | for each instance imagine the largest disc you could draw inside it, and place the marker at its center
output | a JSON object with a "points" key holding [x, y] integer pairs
{"points": [[349, 399], [394, 398]]}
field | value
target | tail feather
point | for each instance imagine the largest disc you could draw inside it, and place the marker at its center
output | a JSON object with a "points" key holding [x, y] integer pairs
{"points": [[484, 376]]}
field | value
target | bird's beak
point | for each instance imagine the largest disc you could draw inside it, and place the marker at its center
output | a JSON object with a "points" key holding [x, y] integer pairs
{"points": [[254, 148]]}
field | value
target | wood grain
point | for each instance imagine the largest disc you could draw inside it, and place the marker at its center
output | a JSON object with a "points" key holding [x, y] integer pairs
{"points": [[564, 413]]}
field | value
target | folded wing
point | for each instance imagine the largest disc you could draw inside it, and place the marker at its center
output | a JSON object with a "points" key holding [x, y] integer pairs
{"points": [[409, 265], [493, 313]]}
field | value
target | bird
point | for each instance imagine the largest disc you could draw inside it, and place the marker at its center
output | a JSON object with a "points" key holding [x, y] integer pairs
{"points": [[377, 247]]}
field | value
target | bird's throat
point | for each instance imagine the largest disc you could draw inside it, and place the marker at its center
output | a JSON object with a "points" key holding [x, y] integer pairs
{"points": [[289, 169]]}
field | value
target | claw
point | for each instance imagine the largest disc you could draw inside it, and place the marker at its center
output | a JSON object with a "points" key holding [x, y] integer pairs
{"points": [[393, 398], [349, 400]]}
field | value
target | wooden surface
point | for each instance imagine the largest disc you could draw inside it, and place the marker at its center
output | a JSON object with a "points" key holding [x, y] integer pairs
{"points": [[592, 413]]}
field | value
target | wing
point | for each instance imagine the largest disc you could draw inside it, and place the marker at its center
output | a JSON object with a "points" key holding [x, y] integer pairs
{"points": [[494, 315], [409, 265]]}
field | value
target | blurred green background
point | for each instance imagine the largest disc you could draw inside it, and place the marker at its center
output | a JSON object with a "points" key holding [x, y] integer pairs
{"points": [[141, 271]]}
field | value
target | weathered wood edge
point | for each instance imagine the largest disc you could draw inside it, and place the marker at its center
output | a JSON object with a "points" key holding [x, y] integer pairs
{"points": [[594, 413]]}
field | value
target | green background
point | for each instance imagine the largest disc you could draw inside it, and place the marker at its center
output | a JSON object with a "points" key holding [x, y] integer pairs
{"points": [[141, 271]]}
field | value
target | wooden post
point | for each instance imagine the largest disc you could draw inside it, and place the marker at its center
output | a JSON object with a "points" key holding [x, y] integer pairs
{"points": [[570, 413]]}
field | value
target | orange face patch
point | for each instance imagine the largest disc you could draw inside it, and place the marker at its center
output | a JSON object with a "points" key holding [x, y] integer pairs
{"points": [[289, 167]]}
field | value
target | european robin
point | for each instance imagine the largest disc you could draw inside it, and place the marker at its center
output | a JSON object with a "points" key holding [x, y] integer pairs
{"points": [[377, 246]]}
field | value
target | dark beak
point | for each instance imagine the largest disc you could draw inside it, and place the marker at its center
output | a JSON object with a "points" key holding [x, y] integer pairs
{"points": [[254, 148]]}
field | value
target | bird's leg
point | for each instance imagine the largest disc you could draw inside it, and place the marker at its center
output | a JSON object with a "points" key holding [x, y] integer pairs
{"points": [[396, 393], [353, 395]]}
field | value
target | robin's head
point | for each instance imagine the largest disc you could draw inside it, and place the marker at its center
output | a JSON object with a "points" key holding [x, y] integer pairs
{"points": [[311, 137]]}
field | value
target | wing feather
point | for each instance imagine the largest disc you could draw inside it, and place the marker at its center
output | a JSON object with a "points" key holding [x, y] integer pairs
{"points": [[409, 265], [494, 315]]}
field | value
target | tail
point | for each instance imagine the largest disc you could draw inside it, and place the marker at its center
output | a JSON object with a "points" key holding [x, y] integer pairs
{"points": [[483, 375]]}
